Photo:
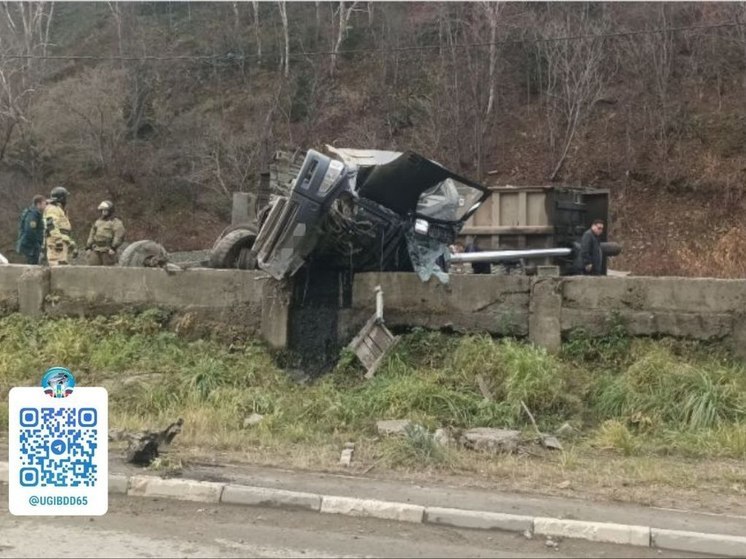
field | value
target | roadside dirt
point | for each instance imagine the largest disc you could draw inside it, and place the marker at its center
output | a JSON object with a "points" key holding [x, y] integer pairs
{"points": [[715, 486]]}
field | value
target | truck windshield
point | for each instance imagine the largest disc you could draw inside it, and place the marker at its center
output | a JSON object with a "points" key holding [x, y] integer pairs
{"points": [[449, 200]]}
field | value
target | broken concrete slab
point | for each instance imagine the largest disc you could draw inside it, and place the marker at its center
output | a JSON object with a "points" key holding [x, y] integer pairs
{"points": [[551, 442], [252, 420], [346, 458], [396, 427], [445, 437], [489, 439]]}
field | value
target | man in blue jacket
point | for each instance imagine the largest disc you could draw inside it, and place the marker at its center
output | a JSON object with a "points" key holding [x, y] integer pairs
{"points": [[31, 230]]}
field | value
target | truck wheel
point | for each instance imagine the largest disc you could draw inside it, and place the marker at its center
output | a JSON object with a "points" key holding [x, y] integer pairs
{"points": [[231, 228], [611, 249], [141, 254], [233, 250]]}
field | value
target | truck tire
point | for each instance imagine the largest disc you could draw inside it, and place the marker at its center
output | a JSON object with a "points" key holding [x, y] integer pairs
{"points": [[611, 249], [233, 250], [231, 228], [143, 254]]}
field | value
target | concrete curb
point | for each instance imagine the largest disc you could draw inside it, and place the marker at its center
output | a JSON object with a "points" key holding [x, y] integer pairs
{"points": [[599, 532]]}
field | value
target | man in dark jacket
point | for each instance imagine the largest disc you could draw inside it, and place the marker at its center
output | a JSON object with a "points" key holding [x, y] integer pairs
{"points": [[590, 249], [478, 267], [31, 230]]}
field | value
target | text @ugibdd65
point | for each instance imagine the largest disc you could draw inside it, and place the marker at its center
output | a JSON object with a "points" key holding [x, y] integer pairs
{"points": [[55, 501]]}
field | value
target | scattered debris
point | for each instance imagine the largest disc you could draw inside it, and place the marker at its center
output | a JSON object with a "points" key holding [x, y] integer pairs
{"points": [[253, 419], [551, 543], [346, 458], [395, 427], [491, 440], [445, 437], [528, 535], [566, 431], [565, 484], [146, 446], [547, 441], [374, 341], [551, 442], [117, 434]]}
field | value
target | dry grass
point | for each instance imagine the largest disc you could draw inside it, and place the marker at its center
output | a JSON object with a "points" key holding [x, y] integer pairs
{"points": [[725, 258]]}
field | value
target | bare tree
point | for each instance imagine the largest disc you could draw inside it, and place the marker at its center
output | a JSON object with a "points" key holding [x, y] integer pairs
{"points": [[574, 80], [652, 58], [483, 117], [81, 118], [257, 36], [117, 14], [344, 12], [285, 59], [24, 35], [318, 21]]}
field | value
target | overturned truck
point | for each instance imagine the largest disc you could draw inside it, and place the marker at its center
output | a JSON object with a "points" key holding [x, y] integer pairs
{"points": [[368, 210], [319, 219]]}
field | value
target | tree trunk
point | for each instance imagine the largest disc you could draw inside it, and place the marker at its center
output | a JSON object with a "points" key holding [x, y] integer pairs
{"points": [[286, 34], [255, 6]]}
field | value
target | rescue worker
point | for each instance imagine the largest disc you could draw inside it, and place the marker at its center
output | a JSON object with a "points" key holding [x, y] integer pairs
{"points": [[106, 236], [60, 245], [590, 249], [31, 230]]}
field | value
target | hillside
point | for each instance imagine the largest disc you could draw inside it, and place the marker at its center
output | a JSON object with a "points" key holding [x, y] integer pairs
{"points": [[168, 107]]}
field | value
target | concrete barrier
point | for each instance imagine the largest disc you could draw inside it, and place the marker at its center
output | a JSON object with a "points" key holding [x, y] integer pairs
{"points": [[543, 309], [264, 497], [372, 508], [547, 308], [230, 297], [478, 520], [469, 303], [9, 276], [624, 534], [183, 490]]}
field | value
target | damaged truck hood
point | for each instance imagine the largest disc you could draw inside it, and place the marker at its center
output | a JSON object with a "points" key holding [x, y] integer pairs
{"points": [[408, 183], [421, 196]]}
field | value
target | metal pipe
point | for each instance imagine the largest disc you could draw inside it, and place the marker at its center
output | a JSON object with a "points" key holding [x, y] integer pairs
{"points": [[379, 304], [503, 255]]}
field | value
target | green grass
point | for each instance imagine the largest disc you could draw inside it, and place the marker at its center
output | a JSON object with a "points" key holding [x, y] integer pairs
{"points": [[634, 397]]}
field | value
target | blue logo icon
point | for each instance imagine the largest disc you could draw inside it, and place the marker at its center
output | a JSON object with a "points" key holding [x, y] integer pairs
{"points": [[58, 382]]}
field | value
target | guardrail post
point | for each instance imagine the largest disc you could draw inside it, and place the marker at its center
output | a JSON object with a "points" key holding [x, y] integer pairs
{"points": [[545, 313], [33, 287]]}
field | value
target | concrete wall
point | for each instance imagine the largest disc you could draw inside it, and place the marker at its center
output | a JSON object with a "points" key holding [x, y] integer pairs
{"points": [[543, 309], [470, 303], [546, 309], [229, 297], [9, 276]]}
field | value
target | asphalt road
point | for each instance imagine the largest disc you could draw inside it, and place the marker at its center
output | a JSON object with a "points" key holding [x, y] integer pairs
{"points": [[139, 527]]}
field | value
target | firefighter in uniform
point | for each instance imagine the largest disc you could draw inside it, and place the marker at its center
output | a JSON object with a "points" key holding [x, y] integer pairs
{"points": [[106, 236], [60, 245]]}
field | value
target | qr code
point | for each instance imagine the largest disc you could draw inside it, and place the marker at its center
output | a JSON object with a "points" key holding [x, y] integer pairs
{"points": [[58, 447]]}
